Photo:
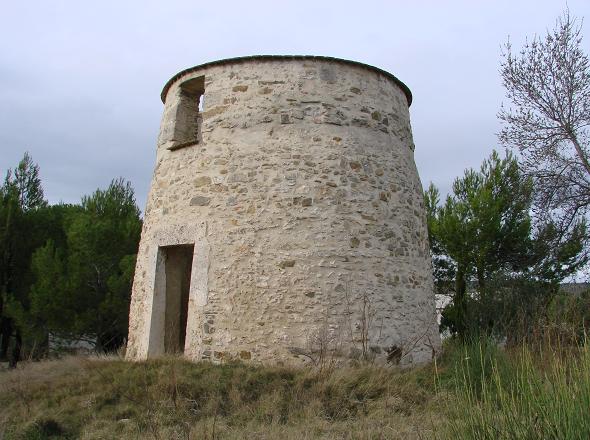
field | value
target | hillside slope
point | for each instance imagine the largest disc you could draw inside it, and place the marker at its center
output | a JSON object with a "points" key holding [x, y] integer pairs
{"points": [[94, 398]]}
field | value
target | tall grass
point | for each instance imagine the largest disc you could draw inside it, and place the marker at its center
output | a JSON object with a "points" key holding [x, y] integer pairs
{"points": [[527, 394]]}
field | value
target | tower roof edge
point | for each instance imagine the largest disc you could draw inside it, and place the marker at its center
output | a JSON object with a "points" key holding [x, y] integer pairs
{"points": [[244, 59]]}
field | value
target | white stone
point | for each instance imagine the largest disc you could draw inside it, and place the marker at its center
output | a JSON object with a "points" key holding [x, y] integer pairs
{"points": [[297, 241]]}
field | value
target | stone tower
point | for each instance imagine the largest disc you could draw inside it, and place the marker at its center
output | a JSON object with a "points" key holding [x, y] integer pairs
{"points": [[285, 220]]}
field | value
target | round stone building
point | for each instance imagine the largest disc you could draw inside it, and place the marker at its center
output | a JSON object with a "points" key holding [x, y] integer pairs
{"points": [[285, 221]]}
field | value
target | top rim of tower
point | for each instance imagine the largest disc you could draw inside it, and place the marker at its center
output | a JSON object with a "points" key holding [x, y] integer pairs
{"points": [[184, 72]]}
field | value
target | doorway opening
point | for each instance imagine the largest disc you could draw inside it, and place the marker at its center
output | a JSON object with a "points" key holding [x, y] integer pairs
{"points": [[178, 261]]}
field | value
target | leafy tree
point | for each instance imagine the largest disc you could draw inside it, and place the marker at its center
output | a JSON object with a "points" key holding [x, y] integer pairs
{"points": [[10, 214], [484, 231], [27, 182], [49, 309], [64, 269], [21, 201], [548, 85], [88, 283], [482, 227], [47, 225]]}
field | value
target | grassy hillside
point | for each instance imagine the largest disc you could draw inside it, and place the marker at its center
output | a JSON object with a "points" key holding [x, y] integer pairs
{"points": [[172, 398], [476, 391]]}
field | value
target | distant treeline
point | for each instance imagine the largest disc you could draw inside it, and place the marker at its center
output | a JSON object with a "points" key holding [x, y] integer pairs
{"points": [[66, 270]]}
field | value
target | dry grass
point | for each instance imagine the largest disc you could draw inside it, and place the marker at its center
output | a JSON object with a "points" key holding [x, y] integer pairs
{"points": [[478, 391], [170, 398]]}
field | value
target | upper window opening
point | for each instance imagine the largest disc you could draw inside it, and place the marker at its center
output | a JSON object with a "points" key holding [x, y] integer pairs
{"points": [[188, 120]]}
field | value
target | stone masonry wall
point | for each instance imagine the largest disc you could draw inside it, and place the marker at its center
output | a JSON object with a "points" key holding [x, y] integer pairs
{"points": [[305, 207]]}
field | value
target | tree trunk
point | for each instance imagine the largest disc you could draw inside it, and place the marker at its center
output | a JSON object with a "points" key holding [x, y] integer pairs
{"points": [[5, 334], [16, 349], [460, 302], [481, 280]]}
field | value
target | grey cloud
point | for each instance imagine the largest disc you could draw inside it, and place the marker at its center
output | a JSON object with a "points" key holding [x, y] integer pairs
{"points": [[80, 82]]}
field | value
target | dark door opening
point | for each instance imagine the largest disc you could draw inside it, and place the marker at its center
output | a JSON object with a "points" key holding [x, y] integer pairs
{"points": [[178, 262]]}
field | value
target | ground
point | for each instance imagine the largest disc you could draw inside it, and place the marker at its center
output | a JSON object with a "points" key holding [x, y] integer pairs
{"points": [[105, 397]]}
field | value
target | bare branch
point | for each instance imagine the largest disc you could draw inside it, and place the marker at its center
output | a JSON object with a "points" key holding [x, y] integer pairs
{"points": [[548, 85]]}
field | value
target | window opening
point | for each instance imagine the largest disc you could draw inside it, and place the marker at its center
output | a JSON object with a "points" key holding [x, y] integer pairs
{"points": [[188, 118]]}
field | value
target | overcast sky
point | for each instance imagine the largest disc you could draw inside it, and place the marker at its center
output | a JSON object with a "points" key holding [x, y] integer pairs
{"points": [[80, 81]]}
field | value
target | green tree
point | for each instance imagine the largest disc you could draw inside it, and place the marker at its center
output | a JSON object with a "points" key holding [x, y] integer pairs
{"points": [[484, 229], [89, 281], [25, 178], [10, 214], [483, 226], [48, 226], [21, 203]]}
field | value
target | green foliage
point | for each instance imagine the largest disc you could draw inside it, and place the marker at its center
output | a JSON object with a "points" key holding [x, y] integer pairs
{"points": [[567, 318], [557, 254], [484, 225], [88, 281], [472, 359], [48, 264], [24, 226], [64, 269], [25, 178], [10, 214], [487, 255], [528, 397]]}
